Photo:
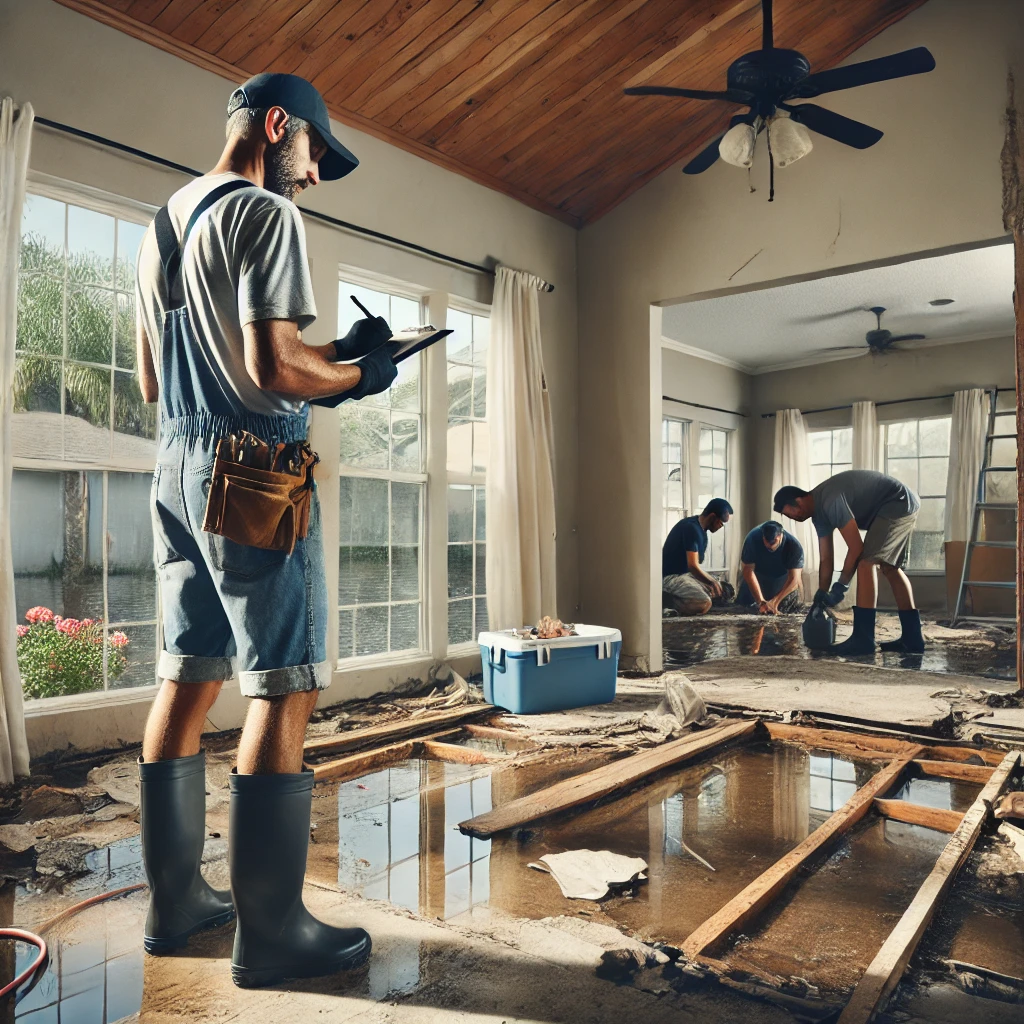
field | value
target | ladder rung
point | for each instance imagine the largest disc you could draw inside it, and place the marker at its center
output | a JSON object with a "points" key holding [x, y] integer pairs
{"points": [[1000, 584], [992, 543], [1000, 469], [995, 620], [997, 504], [1002, 437]]}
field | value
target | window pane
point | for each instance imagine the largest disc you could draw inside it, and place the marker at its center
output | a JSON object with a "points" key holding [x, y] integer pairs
{"points": [[705, 445], [131, 658], [346, 648], [134, 420], [821, 447], [481, 616], [404, 313], [673, 494], [131, 577], [480, 392], [124, 332], [460, 342], [90, 246], [371, 630], [904, 470], [90, 324], [901, 439], [365, 436], [129, 238], [481, 446], [405, 391], [40, 314], [460, 389], [675, 433], [481, 568], [820, 473], [460, 570], [932, 476], [932, 515], [460, 621], [460, 446], [842, 445], [935, 436], [363, 564], [926, 551], [405, 627], [405, 541], [718, 483], [481, 513], [87, 407], [405, 440], [481, 339], [42, 235], [348, 313], [37, 540], [36, 424], [718, 439], [460, 512]]}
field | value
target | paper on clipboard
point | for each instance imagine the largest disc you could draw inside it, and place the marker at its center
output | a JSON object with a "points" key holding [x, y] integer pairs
{"points": [[413, 340]]}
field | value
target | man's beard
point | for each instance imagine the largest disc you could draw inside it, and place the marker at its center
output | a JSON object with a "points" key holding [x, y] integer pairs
{"points": [[281, 169]]}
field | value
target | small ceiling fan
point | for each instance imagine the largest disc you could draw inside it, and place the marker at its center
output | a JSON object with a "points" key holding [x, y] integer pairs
{"points": [[767, 79], [879, 340]]}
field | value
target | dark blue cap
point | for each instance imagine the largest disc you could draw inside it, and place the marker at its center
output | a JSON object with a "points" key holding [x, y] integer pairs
{"points": [[298, 97], [771, 531], [719, 507]]}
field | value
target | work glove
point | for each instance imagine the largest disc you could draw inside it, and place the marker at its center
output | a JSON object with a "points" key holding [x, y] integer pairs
{"points": [[837, 593], [379, 372], [363, 337]]}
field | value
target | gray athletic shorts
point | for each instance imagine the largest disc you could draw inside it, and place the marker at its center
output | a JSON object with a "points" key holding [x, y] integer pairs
{"points": [[888, 540]]}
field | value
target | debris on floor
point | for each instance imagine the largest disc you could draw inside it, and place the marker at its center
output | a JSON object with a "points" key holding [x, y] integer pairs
{"points": [[590, 874]]}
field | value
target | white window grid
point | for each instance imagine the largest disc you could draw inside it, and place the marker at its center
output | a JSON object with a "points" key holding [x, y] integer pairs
{"points": [[466, 859], [833, 780], [831, 452], [713, 467], [917, 453], [674, 467]]}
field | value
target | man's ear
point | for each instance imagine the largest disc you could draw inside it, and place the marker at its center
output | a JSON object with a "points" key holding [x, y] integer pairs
{"points": [[274, 125]]}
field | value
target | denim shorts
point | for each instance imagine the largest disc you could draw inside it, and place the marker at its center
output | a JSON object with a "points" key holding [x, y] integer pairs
{"points": [[219, 599]]}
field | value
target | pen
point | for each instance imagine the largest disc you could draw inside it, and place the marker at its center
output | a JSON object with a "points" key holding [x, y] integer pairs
{"points": [[362, 307]]}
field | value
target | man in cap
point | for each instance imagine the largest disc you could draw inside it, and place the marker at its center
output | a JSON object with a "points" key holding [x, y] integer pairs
{"points": [[861, 499], [771, 563], [224, 293], [686, 587]]}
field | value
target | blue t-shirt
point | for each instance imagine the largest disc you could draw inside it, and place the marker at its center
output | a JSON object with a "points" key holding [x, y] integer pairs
{"points": [[775, 564], [686, 535]]}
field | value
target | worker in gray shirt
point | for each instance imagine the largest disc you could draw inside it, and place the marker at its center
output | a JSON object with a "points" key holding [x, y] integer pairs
{"points": [[861, 499]]}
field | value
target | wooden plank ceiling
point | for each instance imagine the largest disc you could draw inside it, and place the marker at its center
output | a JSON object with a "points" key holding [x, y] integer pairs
{"points": [[524, 96]]}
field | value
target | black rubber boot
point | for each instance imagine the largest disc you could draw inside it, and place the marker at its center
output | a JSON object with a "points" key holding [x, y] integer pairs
{"points": [[911, 641], [862, 641], [276, 938], [173, 821]]}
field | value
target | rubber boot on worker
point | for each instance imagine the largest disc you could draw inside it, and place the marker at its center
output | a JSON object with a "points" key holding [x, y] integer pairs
{"points": [[276, 938], [173, 823], [911, 640], [862, 640]]}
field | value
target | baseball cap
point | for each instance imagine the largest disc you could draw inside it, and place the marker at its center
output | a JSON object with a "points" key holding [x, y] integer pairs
{"points": [[298, 97]]}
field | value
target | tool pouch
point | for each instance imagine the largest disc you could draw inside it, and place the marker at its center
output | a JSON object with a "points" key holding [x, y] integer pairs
{"points": [[261, 508]]}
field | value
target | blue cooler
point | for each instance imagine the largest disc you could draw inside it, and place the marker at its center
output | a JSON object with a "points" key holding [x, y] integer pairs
{"points": [[531, 676]]}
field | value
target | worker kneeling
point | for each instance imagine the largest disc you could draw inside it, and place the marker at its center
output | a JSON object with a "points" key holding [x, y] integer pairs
{"points": [[771, 564], [685, 585], [861, 499]]}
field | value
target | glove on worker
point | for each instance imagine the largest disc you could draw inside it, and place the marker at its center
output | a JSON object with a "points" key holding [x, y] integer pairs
{"points": [[363, 337], [379, 372], [837, 593]]}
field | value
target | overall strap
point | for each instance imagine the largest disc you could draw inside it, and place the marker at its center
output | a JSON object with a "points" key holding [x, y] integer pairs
{"points": [[167, 239]]}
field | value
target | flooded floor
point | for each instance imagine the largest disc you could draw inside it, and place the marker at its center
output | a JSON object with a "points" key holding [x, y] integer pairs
{"points": [[693, 641]]}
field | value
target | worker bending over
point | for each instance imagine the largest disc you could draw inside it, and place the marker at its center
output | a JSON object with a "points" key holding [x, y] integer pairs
{"points": [[685, 585], [861, 499], [771, 563]]}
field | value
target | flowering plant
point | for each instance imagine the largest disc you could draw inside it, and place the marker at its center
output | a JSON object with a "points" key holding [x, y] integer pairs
{"points": [[59, 656]]}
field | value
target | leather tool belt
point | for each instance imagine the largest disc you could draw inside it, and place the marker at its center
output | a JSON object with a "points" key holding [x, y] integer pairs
{"points": [[260, 495]]}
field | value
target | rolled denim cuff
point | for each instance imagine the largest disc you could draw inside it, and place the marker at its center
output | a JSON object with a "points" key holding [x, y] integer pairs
{"points": [[192, 668], [274, 682]]}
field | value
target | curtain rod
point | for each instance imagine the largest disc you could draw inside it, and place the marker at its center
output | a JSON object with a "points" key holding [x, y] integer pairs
{"points": [[697, 405], [891, 401], [326, 218]]}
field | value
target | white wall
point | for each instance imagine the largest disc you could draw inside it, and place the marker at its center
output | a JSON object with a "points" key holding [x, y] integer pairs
{"points": [[932, 182], [78, 72]]}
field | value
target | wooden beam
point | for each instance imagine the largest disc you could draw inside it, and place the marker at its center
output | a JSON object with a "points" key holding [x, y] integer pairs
{"points": [[356, 739], [748, 904], [951, 770], [354, 765], [591, 786], [489, 732], [454, 753], [885, 971], [916, 814]]}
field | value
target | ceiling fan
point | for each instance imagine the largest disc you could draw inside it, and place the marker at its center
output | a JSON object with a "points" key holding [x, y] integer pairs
{"points": [[767, 79], [879, 340]]}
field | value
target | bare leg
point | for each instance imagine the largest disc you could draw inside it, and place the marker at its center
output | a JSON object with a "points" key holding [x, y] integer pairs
{"points": [[274, 730], [902, 590], [867, 585], [176, 719], [692, 606]]}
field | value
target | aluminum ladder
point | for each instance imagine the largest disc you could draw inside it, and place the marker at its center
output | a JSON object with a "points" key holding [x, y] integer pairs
{"points": [[981, 505]]}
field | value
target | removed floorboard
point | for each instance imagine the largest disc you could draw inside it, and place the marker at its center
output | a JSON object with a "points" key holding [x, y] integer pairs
{"points": [[885, 971], [752, 900], [593, 785], [951, 770], [916, 814]]}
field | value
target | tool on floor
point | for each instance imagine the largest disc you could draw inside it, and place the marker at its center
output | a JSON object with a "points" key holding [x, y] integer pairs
{"points": [[984, 503], [819, 628]]}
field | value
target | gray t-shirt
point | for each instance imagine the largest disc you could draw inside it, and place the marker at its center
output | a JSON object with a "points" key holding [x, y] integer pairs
{"points": [[245, 260], [863, 495]]}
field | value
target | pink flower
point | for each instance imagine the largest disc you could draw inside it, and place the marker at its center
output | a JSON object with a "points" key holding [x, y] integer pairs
{"points": [[38, 614], [88, 623], [22, 631], [72, 627], [118, 639]]}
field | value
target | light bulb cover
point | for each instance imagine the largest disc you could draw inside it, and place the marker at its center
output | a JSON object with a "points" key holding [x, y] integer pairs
{"points": [[737, 145], [790, 140]]}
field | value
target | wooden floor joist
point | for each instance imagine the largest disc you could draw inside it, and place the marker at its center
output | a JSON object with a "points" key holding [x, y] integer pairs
{"points": [[593, 785], [916, 814], [365, 761], [440, 751], [752, 900], [360, 739], [975, 773], [884, 972]]}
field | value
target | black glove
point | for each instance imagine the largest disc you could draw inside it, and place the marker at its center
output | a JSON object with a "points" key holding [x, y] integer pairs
{"points": [[821, 598], [837, 593], [379, 372], [363, 337]]}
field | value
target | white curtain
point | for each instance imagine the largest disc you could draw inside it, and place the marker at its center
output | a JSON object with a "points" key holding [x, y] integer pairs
{"points": [[792, 465], [966, 453], [867, 439], [520, 476], [15, 133]]}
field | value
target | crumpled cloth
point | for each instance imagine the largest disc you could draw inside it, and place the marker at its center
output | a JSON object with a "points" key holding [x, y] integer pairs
{"points": [[589, 874]]}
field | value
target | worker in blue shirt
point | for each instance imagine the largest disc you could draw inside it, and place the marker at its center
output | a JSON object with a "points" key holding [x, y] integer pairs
{"points": [[771, 563], [686, 586]]}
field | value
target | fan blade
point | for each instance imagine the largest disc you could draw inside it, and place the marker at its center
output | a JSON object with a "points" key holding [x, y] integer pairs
{"points": [[707, 156], [844, 348], [906, 337], [834, 126], [729, 95], [897, 65]]}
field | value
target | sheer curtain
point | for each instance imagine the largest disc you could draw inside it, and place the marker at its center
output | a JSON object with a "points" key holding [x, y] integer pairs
{"points": [[966, 453], [792, 465], [867, 438], [15, 134], [520, 476]]}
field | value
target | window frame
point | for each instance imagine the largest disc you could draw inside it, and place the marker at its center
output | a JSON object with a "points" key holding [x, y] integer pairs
{"points": [[729, 453], [839, 546], [684, 470]]}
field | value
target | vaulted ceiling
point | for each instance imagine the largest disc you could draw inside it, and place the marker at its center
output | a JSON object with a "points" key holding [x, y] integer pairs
{"points": [[524, 96]]}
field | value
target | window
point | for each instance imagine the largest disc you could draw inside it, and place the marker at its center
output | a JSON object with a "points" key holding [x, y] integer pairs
{"points": [[380, 587], [84, 446], [917, 452], [833, 781], [714, 483], [466, 860], [467, 474], [831, 452], [676, 490]]}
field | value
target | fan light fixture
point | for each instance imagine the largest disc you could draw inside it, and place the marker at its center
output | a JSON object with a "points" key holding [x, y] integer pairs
{"points": [[737, 145], [790, 140]]}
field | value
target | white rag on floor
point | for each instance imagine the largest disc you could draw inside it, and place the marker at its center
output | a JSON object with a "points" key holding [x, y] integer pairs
{"points": [[1016, 837], [588, 874]]}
